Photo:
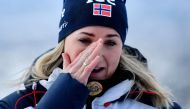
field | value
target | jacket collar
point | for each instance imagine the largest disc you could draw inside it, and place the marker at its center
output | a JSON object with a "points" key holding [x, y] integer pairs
{"points": [[115, 92]]}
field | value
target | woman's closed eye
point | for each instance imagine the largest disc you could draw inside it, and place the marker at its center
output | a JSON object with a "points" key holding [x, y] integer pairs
{"points": [[85, 41], [88, 41], [110, 43]]}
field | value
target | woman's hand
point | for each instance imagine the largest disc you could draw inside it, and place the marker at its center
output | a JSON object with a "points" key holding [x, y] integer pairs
{"points": [[82, 66]]}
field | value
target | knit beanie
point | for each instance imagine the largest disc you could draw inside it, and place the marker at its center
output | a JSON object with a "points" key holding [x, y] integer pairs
{"points": [[77, 14]]}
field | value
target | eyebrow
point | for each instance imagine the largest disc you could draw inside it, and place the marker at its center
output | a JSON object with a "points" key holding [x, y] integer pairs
{"points": [[92, 35], [88, 34]]}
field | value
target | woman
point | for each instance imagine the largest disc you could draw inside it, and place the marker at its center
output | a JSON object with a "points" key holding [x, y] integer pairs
{"points": [[91, 68]]}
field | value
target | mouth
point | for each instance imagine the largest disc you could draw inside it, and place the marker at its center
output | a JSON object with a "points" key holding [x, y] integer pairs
{"points": [[98, 70]]}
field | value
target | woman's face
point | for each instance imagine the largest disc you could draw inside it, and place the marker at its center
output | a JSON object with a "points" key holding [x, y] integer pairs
{"points": [[110, 52]]}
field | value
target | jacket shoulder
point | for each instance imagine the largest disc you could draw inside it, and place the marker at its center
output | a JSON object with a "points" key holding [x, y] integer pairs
{"points": [[21, 98], [9, 101]]}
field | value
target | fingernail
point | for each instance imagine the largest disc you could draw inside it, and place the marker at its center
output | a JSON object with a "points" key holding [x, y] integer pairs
{"points": [[100, 40]]}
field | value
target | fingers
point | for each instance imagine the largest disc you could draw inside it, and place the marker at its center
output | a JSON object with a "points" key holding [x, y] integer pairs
{"points": [[66, 60], [86, 56], [88, 69], [95, 52], [79, 60], [90, 56]]}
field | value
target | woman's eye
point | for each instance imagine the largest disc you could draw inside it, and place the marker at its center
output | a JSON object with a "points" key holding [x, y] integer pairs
{"points": [[110, 43], [85, 41]]}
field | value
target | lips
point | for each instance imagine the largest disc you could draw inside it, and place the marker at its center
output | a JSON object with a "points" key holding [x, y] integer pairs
{"points": [[97, 70]]}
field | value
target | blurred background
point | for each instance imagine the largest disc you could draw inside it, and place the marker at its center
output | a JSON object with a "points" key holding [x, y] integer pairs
{"points": [[159, 29]]}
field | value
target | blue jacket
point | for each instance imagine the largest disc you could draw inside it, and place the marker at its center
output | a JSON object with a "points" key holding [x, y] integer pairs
{"points": [[65, 93]]}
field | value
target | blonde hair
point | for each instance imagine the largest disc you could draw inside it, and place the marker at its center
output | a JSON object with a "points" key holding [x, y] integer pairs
{"points": [[44, 65], [146, 81], [143, 78]]}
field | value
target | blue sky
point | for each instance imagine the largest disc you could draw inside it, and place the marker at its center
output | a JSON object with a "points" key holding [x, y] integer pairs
{"points": [[159, 29]]}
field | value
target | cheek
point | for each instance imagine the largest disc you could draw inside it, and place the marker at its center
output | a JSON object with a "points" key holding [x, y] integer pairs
{"points": [[73, 50], [114, 61]]}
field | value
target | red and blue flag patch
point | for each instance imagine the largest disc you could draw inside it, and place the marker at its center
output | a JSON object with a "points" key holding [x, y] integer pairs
{"points": [[102, 9]]}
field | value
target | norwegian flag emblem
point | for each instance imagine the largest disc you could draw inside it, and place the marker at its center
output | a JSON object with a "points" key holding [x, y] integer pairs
{"points": [[102, 9]]}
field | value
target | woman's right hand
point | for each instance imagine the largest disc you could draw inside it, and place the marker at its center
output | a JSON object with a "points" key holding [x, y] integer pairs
{"points": [[82, 66]]}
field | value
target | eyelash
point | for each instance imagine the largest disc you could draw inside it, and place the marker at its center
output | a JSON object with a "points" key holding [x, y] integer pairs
{"points": [[88, 41], [85, 41], [110, 43]]}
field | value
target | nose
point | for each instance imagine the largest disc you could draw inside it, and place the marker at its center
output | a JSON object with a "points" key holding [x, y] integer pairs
{"points": [[102, 52], [100, 46]]}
